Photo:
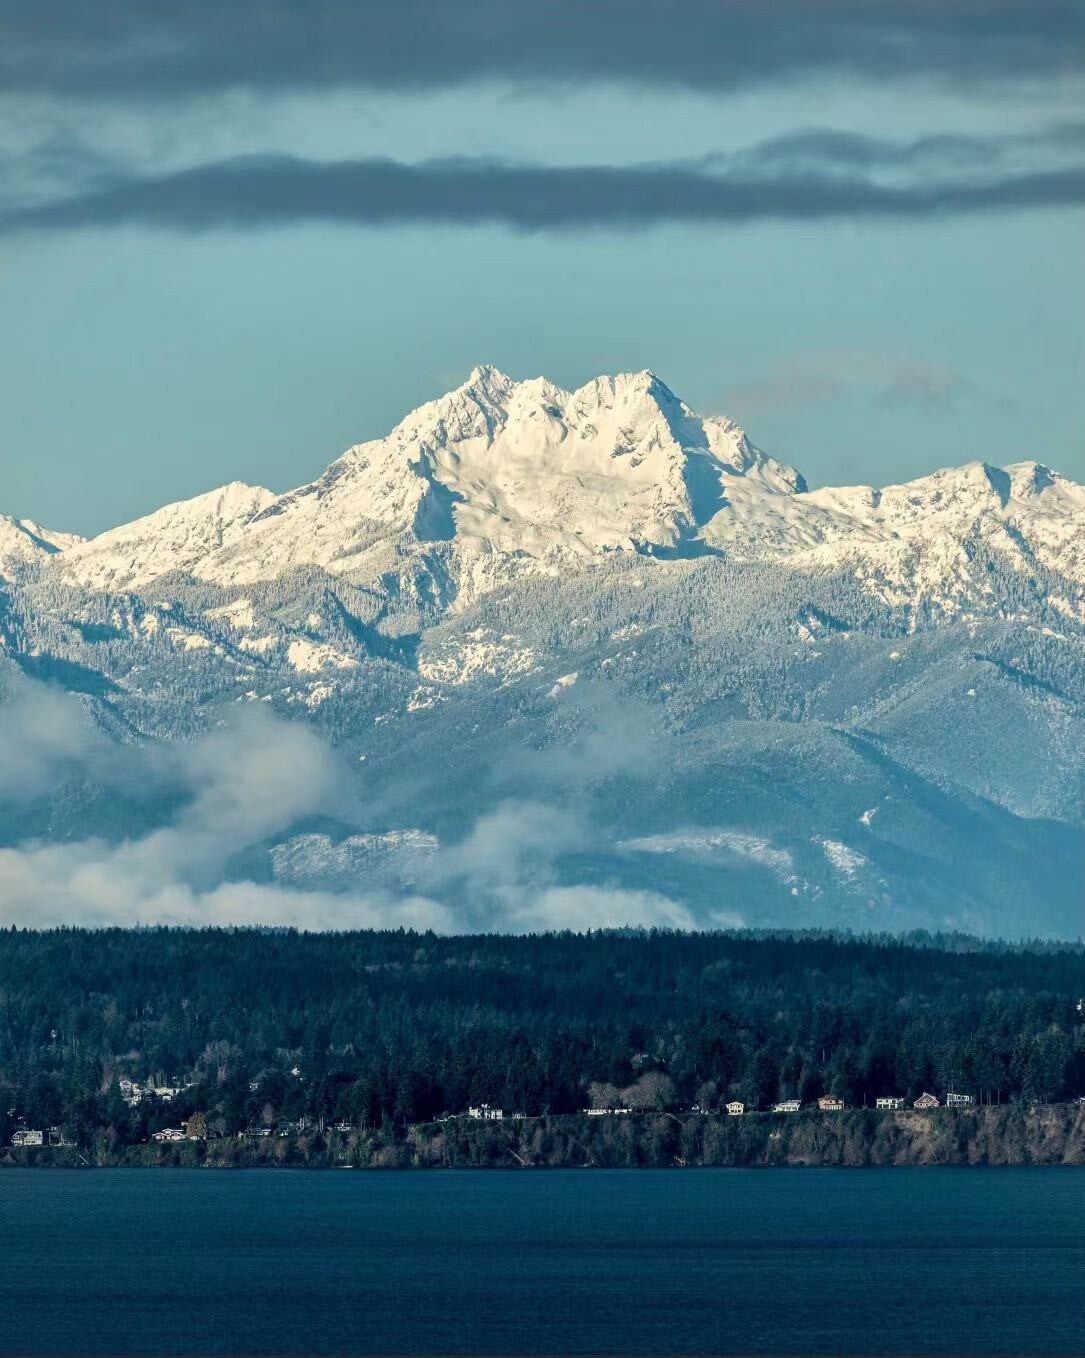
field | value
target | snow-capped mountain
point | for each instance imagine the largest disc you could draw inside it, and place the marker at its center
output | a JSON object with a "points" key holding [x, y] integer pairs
{"points": [[500, 477], [178, 537], [865, 704], [22, 542]]}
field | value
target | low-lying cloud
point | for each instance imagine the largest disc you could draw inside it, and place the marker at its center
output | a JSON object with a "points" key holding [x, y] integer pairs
{"points": [[246, 784], [815, 175]]}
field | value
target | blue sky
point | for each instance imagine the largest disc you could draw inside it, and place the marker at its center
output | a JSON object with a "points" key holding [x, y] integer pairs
{"points": [[233, 264]]}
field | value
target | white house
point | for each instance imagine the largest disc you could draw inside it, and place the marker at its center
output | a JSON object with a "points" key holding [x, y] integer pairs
{"points": [[735, 1108], [486, 1113], [130, 1091], [829, 1103], [604, 1112], [889, 1101], [787, 1106], [170, 1134], [27, 1136], [927, 1101], [959, 1100]]}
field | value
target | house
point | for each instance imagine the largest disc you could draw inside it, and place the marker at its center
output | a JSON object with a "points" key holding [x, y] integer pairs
{"points": [[735, 1108], [57, 1137], [959, 1100], [889, 1101], [927, 1101], [131, 1093], [170, 1134], [604, 1112], [164, 1092], [787, 1106], [829, 1103], [486, 1113], [27, 1136]]}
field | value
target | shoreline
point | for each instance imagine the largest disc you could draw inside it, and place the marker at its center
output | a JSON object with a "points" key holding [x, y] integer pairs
{"points": [[1010, 1135]]}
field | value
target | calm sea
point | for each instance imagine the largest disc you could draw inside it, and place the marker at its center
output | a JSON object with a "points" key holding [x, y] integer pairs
{"points": [[695, 1261]]}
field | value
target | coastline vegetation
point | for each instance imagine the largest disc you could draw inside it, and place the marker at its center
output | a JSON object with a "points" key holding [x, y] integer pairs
{"points": [[279, 1047]]}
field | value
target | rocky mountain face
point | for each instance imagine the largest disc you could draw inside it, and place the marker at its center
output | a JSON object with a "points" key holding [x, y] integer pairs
{"points": [[592, 658]]}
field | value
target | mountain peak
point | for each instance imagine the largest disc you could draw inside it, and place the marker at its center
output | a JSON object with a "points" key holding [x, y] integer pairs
{"points": [[173, 538], [485, 377], [23, 541], [498, 477]]}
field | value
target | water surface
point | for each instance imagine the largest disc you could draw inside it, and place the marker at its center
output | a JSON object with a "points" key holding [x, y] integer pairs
{"points": [[699, 1261]]}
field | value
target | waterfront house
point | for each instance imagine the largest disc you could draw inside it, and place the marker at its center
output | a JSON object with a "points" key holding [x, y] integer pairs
{"points": [[959, 1100], [170, 1134], [829, 1103], [486, 1113], [787, 1106], [27, 1136], [735, 1108], [927, 1101], [889, 1101]]}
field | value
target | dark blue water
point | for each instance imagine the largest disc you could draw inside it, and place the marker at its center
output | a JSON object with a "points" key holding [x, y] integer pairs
{"points": [[728, 1261]]}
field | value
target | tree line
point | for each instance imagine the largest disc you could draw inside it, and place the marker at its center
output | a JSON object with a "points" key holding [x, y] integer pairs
{"points": [[385, 1029]]}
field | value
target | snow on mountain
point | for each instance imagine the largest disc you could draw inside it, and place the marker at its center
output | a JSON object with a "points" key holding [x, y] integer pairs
{"points": [[500, 478], [23, 541], [835, 707], [178, 537], [916, 541]]}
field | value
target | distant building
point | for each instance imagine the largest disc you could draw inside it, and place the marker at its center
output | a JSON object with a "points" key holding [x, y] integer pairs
{"points": [[959, 1100], [166, 1093], [889, 1101], [28, 1136], [57, 1137], [735, 1108], [170, 1134], [486, 1113], [603, 1112], [829, 1103], [927, 1101], [787, 1106], [131, 1093]]}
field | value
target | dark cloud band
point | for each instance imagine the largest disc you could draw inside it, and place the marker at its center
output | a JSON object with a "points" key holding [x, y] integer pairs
{"points": [[280, 191], [151, 48]]}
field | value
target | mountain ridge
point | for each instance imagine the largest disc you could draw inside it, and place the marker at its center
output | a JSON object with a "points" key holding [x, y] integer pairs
{"points": [[543, 477], [587, 657]]}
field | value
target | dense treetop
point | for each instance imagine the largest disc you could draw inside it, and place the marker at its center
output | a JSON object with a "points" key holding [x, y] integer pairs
{"points": [[397, 1027]]}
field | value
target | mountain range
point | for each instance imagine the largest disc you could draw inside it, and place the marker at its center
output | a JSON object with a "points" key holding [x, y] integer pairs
{"points": [[587, 657]]}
